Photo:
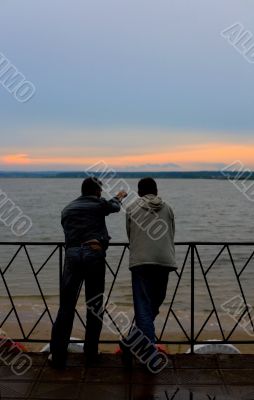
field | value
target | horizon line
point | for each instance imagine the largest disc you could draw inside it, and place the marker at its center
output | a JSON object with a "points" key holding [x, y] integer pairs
{"points": [[119, 171]]}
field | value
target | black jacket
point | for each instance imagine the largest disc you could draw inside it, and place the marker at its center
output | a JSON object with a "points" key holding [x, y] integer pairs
{"points": [[84, 219]]}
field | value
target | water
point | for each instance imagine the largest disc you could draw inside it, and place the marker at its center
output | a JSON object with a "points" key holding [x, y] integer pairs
{"points": [[205, 210]]}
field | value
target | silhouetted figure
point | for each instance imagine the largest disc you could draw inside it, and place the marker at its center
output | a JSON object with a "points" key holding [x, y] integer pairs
{"points": [[86, 239]]}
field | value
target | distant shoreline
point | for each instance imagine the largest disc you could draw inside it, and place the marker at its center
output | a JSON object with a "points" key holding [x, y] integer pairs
{"points": [[217, 175]]}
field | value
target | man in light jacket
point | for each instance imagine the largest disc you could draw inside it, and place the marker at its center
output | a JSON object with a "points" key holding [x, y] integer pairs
{"points": [[151, 229]]}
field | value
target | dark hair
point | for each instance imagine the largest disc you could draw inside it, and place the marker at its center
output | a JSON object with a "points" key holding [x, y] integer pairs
{"points": [[91, 186], [147, 186]]}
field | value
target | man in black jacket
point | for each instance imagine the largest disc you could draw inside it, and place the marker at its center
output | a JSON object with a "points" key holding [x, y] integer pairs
{"points": [[86, 239]]}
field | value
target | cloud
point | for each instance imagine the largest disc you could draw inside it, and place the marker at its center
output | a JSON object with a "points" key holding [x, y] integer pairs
{"points": [[15, 159]]}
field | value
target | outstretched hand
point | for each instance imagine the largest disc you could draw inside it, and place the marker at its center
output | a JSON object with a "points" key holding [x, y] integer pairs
{"points": [[121, 195]]}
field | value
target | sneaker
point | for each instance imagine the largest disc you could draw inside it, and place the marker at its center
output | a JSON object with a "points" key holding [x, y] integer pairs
{"points": [[126, 355]]}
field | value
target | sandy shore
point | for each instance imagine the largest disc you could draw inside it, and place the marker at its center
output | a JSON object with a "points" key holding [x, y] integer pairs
{"points": [[170, 348], [30, 313]]}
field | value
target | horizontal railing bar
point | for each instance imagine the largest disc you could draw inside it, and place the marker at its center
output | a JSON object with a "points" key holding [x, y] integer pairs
{"points": [[126, 243], [32, 243], [183, 342]]}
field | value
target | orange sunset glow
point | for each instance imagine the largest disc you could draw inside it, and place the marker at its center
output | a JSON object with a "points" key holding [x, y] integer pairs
{"points": [[183, 156]]}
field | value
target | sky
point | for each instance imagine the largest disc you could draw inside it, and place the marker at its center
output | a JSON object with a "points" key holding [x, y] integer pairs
{"points": [[137, 84]]}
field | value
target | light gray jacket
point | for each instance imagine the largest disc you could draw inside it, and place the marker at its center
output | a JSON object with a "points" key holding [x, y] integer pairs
{"points": [[151, 228]]}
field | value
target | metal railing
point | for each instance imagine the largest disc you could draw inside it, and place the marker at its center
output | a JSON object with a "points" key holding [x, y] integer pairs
{"points": [[194, 270]]}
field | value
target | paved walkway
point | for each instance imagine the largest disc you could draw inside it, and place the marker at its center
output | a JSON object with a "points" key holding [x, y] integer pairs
{"points": [[188, 378]]}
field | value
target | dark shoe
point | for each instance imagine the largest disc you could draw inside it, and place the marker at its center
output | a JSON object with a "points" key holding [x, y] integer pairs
{"points": [[56, 363], [126, 355], [91, 358]]}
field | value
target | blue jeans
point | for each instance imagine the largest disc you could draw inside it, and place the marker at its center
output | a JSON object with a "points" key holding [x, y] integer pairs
{"points": [[149, 285], [82, 264]]}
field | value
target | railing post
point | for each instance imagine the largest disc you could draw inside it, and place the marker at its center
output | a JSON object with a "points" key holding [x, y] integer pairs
{"points": [[60, 269], [192, 297]]}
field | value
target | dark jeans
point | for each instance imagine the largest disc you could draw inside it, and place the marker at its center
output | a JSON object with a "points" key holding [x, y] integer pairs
{"points": [[81, 264], [149, 285]]}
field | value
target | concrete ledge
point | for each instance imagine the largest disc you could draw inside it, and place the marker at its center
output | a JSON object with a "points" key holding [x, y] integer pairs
{"points": [[192, 377]]}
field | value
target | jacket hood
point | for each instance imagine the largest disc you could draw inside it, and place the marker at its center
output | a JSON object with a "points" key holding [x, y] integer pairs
{"points": [[150, 201]]}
